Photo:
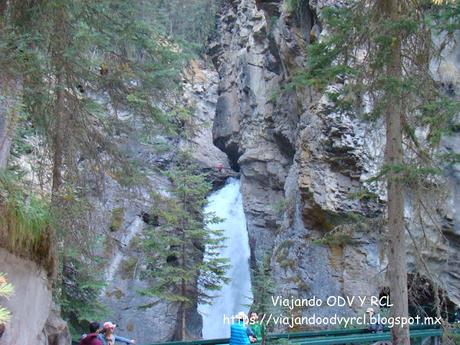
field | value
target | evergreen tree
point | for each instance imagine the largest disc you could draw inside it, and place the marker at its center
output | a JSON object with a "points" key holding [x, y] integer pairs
{"points": [[263, 289], [379, 52], [183, 262], [69, 55], [78, 65], [192, 31]]}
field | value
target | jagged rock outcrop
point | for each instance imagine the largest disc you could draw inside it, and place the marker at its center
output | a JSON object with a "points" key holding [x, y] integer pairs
{"points": [[34, 318], [124, 261], [247, 126], [56, 331], [303, 165], [200, 95]]}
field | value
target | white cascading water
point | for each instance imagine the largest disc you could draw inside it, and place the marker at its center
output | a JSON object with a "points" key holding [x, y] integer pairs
{"points": [[226, 203]]}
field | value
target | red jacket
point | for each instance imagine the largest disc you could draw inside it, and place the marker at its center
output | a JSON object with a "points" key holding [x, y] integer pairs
{"points": [[91, 339]]}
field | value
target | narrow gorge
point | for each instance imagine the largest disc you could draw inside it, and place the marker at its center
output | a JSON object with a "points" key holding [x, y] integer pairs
{"points": [[295, 180]]}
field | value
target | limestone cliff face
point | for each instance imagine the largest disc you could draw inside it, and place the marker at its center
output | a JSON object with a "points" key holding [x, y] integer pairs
{"points": [[301, 162], [35, 320], [258, 137]]}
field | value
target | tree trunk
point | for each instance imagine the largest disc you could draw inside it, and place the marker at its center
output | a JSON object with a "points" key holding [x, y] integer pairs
{"points": [[397, 272], [183, 288], [60, 114], [182, 322], [3, 10], [11, 92], [58, 137], [5, 140]]}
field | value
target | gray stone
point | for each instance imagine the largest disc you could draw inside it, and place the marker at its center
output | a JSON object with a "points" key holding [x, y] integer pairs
{"points": [[301, 162], [34, 321]]}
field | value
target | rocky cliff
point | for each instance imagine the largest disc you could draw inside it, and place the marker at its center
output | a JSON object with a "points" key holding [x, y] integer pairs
{"points": [[304, 165], [120, 211], [35, 318], [148, 319]]}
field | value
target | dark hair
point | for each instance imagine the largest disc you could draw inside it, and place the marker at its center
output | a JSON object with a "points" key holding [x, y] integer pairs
{"points": [[94, 326]]}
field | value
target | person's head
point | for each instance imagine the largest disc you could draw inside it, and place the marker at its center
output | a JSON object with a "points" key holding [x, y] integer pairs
{"points": [[109, 327], [94, 327], [241, 316], [253, 316], [370, 311]]}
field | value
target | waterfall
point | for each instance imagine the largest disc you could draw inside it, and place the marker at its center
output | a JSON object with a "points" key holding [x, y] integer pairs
{"points": [[235, 296]]}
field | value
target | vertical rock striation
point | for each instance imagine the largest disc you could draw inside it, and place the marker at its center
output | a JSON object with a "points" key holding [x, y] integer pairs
{"points": [[304, 165]]}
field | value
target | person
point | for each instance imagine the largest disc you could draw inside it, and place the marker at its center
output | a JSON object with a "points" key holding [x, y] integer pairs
{"points": [[374, 325], [250, 333], [256, 327], [239, 333], [109, 338], [93, 337]]}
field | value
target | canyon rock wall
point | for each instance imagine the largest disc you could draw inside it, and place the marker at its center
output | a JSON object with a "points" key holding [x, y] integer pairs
{"points": [[120, 212], [304, 165], [35, 319]]}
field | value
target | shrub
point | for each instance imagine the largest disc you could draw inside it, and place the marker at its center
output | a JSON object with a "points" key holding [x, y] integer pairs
{"points": [[117, 219], [25, 224]]}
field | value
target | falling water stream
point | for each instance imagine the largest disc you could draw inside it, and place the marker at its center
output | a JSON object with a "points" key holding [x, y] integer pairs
{"points": [[235, 296]]}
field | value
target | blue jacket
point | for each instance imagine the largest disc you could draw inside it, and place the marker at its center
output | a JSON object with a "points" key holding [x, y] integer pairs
{"points": [[238, 334], [118, 340]]}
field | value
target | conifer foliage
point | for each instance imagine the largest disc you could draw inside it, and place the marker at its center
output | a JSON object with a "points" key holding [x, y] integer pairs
{"points": [[183, 262], [82, 63], [81, 69]]}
